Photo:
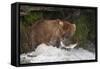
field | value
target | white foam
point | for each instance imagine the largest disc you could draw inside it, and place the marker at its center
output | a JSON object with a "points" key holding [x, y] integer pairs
{"points": [[45, 53]]}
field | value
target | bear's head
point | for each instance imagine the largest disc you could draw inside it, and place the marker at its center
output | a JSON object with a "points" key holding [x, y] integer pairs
{"points": [[68, 29]]}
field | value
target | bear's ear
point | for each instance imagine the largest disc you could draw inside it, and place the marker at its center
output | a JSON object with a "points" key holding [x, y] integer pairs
{"points": [[74, 27], [61, 23]]}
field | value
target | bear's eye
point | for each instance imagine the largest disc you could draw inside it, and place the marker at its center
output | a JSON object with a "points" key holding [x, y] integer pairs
{"points": [[66, 35]]}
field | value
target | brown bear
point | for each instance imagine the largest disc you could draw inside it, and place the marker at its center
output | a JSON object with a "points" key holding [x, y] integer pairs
{"points": [[50, 32]]}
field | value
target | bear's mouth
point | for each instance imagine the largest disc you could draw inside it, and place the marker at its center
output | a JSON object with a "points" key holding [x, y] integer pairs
{"points": [[71, 46]]}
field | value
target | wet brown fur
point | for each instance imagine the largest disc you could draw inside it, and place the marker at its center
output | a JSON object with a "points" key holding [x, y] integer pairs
{"points": [[50, 32]]}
